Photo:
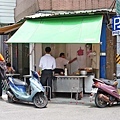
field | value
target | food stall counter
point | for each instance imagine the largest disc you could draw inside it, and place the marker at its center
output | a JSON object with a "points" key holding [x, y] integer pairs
{"points": [[67, 83]]}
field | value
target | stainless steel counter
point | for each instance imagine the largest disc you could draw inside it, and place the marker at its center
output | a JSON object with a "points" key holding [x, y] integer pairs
{"points": [[66, 84], [69, 83]]}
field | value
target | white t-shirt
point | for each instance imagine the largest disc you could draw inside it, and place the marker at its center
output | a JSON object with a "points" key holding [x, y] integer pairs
{"points": [[47, 62], [60, 62]]}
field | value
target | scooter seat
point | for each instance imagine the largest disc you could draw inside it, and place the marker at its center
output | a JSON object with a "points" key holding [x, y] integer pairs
{"points": [[19, 82], [107, 81]]}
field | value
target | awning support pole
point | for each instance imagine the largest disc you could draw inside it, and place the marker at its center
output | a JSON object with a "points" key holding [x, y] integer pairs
{"points": [[31, 60], [11, 55]]}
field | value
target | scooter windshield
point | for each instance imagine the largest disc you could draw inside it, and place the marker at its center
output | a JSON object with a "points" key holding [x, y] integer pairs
{"points": [[35, 74]]}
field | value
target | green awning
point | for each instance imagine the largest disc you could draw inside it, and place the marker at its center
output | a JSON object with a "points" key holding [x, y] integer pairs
{"points": [[75, 29]]}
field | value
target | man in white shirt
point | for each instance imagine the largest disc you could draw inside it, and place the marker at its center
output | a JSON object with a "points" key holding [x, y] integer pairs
{"points": [[61, 62], [47, 64]]}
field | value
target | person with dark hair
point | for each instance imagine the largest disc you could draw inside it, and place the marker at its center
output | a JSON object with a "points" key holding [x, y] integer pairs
{"points": [[61, 62], [47, 64], [10, 69]]}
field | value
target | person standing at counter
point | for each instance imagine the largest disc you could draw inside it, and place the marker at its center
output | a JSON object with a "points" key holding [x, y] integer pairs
{"points": [[10, 69], [47, 65], [61, 62]]}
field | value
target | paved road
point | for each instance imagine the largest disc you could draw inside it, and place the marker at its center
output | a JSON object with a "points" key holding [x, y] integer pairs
{"points": [[58, 109]]}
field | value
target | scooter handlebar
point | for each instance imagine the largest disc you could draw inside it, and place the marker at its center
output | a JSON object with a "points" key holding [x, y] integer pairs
{"points": [[118, 77]]}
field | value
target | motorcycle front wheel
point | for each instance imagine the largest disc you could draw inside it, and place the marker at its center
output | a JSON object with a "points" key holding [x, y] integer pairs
{"points": [[100, 102], [40, 100]]}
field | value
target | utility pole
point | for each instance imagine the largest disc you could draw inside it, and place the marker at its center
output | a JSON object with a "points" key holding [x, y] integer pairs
{"points": [[118, 43]]}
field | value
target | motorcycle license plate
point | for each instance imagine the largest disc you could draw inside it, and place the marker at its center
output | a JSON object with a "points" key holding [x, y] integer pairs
{"points": [[94, 90], [93, 93]]}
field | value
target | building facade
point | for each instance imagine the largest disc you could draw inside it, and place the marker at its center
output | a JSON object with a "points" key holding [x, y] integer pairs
{"points": [[30, 7], [6, 18]]}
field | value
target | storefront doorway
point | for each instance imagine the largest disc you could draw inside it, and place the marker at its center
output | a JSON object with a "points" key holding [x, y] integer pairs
{"points": [[21, 58]]}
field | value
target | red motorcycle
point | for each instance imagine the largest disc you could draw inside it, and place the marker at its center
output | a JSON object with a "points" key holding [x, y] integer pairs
{"points": [[105, 92]]}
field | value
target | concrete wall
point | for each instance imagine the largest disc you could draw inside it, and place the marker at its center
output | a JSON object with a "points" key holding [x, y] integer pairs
{"points": [[24, 8], [74, 4], [28, 7], [38, 54]]}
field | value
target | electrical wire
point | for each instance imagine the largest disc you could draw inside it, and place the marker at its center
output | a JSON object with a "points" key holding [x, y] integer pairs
{"points": [[112, 5]]}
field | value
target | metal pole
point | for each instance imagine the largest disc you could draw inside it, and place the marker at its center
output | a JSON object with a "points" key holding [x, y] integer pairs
{"points": [[118, 65], [31, 60], [118, 43]]}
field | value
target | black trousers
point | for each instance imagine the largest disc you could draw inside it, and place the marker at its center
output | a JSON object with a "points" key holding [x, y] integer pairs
{"points": [[46, 79], [0, 86]]}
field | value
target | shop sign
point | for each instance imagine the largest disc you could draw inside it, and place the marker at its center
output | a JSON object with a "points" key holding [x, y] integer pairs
{"points": [[116, 25]]}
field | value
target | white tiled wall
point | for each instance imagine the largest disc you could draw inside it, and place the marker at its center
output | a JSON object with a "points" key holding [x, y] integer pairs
{"points": [[71, 52]]}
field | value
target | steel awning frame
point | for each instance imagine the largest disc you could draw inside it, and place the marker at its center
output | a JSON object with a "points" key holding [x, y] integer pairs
{"points": [[44, 14]]}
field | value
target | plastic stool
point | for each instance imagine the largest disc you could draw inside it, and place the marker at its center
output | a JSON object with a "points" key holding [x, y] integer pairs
{"points": [[46, 90], [77, 89]]}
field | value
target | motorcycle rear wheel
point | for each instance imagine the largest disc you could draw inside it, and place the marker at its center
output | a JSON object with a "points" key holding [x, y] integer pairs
{"points": [[40, 100], [100, 102]]}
